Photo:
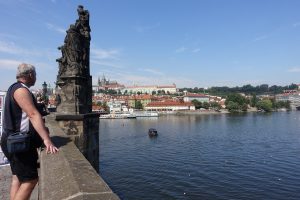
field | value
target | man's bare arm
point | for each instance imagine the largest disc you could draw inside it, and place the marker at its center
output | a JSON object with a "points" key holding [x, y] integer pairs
{"points": [[24, 100]]}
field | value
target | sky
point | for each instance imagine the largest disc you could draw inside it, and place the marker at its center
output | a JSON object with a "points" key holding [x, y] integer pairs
{"points": [[192, 43]]}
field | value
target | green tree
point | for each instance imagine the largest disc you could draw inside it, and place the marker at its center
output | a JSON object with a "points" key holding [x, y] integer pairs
{"points": [[238, 98], [197, 104], [254, 100], [205, 105], [282, 104], [105, 106], [138, 105], [153, 92], [233, 106], [236, 103], [215, 106], [265, 105], [110, 91]]}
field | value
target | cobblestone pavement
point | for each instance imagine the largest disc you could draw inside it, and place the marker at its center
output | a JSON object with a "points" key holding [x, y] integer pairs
{"points": [[5, 180]]}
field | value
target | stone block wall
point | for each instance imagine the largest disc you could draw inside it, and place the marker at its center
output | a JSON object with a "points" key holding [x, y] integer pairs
{"points": [[84, 131]]}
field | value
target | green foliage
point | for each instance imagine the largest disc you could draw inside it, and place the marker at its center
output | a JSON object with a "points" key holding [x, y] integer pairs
{"points": [[138, 105], [105, 106], [254, 100], [236, 98], [197, 104], [236, 103], [247, 89], [282, 104], [215, 106], [265, 105], [233, 106], [205, 105]]}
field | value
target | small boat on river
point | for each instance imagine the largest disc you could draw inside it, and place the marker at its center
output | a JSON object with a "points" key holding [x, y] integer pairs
{"points": [[152, 132]]}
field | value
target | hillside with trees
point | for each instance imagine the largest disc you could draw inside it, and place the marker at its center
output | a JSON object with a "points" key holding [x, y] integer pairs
{"points": [[246, 89]]}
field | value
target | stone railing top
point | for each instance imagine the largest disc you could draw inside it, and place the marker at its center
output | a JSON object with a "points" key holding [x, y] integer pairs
{"points": [[75, 116], [67, 174]]}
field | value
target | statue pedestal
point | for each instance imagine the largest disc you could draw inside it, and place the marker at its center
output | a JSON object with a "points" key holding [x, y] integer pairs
{"points": [[83, 129], [75, 95]]}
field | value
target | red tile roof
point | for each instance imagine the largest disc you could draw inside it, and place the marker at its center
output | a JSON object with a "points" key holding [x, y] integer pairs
{"points": [[196, 95]]}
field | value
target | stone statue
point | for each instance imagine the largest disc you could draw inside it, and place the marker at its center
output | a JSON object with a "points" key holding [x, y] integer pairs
{"points": [[74, 66], [74, 89]]}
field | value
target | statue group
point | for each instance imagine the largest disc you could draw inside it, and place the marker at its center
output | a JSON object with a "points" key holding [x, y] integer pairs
{"points": [[74, 66], [75, 51]]}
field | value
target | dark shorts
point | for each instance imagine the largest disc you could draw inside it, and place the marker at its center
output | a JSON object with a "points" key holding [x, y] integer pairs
{"points": [[23, 165]]}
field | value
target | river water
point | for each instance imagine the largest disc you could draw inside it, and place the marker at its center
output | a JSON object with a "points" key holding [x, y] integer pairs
{"points": [[248, 156]]}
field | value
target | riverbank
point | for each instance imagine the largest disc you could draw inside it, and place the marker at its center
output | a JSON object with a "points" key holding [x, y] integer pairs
{"points": [[202, 112], [194, 112]]}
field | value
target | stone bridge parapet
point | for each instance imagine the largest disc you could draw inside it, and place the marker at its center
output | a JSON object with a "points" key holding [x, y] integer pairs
{"points": [[68, 175]]}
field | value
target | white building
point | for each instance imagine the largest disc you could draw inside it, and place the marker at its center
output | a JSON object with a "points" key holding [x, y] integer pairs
{"points": [[114, 106], [167, 89], [188, 97], [169, 106]]}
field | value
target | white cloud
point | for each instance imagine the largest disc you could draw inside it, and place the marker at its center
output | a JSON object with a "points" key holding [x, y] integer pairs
{"points": [[262, 37], [55, 28], [101, 54], [180, 50], [294, 69], [11, 48], [105, 63], [9, 64], [152, 71]]}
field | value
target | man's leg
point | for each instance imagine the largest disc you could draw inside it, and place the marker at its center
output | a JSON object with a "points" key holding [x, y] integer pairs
{"points": [[15, 185], [25, 190]]}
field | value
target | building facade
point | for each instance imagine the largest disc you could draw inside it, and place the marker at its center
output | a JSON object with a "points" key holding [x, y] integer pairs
{"points": [[168, 89], [169, 106], [189, 97]]}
